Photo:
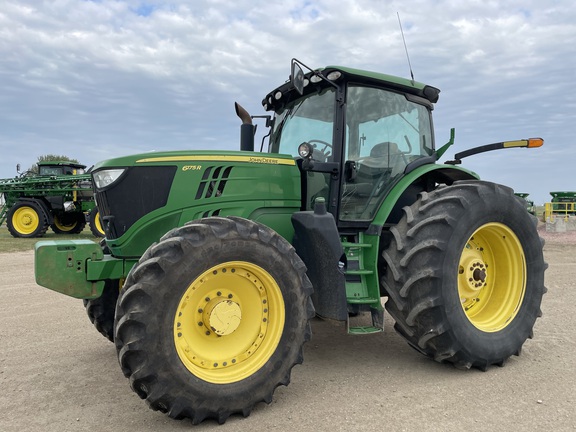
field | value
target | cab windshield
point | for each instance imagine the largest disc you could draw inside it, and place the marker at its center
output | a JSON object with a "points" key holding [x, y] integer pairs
{"points": [[50, 170], [308, 119]]}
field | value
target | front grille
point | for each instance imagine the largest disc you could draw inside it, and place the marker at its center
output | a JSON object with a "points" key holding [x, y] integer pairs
{"points": [[139, 191]]}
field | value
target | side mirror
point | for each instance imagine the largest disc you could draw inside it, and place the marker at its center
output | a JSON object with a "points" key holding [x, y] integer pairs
{"points": [[297, 77]]}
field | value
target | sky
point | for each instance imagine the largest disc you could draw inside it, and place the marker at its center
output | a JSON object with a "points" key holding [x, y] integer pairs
{"points": [[94, 80]]}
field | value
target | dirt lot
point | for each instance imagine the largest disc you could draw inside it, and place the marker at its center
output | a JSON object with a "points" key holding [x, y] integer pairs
{"points": [[58, 374]]}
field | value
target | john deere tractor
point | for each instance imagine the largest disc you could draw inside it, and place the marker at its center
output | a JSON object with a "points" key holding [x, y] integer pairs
{"points": [[215, 262]]}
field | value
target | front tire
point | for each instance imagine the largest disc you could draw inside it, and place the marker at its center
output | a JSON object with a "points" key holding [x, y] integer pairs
{"points": [[72, 223], [27, 219], [213, 318], [96, 223], [465, 274]]}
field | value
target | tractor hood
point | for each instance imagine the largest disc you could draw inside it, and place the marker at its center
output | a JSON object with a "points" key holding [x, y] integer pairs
{"points": [[141, 197]]}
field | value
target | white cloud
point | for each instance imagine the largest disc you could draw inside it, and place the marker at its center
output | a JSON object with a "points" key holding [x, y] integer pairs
{"points": [[97, 79]]}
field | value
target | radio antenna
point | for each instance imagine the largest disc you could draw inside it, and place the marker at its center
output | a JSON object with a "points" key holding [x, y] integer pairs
{"points": [[405, 47]]}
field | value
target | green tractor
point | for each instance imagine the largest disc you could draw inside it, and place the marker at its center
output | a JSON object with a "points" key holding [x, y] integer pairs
{"points": [[216, 261], [59, 196], [528, 203]]}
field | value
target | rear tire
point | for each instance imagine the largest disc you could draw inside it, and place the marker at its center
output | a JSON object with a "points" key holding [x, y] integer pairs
{"points": [[27, 219], [465, 274], [213, 318]]}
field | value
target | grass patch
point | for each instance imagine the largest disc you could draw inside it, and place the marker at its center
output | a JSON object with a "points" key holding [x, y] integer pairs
{"points": [[11, 244]]}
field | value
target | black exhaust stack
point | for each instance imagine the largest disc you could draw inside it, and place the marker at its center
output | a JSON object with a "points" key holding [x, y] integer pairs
{"points": [[247, 129]]}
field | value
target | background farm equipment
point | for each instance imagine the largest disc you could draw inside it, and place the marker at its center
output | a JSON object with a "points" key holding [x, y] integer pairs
{"points": [[59, 196], [529, 203], [562, 204], [560, 213]]}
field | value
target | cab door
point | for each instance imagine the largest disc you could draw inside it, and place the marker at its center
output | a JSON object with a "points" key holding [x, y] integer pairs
{"points": [[384, 132]]}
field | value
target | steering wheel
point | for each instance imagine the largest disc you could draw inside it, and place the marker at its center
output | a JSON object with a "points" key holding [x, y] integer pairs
{"points": [[326, 145]]}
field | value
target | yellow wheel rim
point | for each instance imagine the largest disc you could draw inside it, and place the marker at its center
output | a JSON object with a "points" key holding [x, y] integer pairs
{"points": [[229, 322], [25, 220], [64, 227], [492, 277], [98, 223]]}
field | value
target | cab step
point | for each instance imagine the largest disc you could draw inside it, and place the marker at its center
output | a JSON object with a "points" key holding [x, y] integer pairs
{"points": [[365, 321]]}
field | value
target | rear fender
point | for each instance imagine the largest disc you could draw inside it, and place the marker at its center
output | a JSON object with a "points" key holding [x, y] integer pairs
{"points": [[406, 191]]}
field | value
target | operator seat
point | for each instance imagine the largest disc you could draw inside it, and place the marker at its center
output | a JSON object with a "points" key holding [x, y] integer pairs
{"points": [[383, 155], [385, 160]]}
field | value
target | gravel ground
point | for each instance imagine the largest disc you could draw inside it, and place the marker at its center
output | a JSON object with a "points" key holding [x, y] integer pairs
{"points": [[58, 374], [568, 237]]}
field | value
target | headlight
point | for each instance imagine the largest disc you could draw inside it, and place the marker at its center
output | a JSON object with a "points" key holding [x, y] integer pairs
{"points": [[105, 178], [334, 75], [315, 79], [305, 150]]}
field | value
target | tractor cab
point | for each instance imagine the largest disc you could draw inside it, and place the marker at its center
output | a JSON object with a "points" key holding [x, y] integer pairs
{"points": [[59, 168], [355, 134]]}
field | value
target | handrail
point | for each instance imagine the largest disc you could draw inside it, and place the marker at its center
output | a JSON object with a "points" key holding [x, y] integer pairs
{"points": [[559, 209]]}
